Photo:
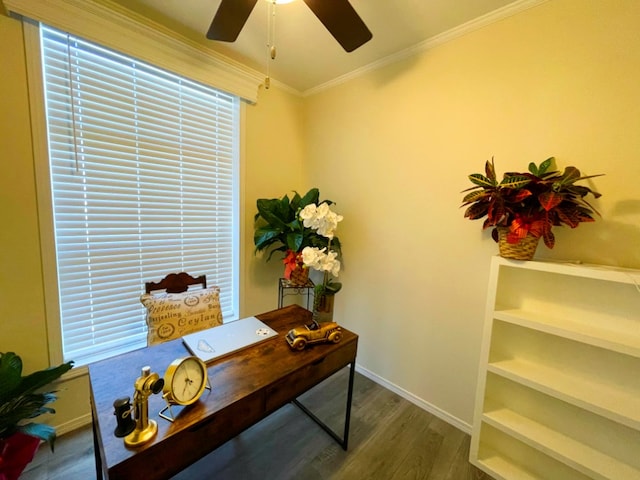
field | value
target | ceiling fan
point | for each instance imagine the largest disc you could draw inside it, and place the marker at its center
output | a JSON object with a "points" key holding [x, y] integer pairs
{"points": [[338, 16]]}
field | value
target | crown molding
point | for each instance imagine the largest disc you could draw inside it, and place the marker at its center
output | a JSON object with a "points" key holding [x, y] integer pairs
{"points": [[468, 27], [113, 26]]}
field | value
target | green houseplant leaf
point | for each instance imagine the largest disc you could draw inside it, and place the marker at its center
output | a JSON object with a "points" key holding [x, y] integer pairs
{"points": [[481, 180], [278, 227], [21, 399], [515, 181]]}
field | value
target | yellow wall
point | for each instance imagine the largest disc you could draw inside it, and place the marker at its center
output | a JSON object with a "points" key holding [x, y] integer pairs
{"points": [[394, 147], [23, 326], [273, 168], [21, 295]]}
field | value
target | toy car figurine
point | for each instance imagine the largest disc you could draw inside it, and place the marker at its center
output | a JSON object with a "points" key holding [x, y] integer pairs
{"points": [[299, 337]]}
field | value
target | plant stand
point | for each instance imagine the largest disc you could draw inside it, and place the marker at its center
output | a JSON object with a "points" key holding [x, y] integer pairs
{"points": [[286, 288]]}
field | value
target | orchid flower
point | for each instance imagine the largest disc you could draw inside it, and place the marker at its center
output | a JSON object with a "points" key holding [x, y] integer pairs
{"points": [[321, 219]]}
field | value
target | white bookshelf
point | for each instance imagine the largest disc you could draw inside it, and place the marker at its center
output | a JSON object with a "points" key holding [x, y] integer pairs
{"points": [[559, 381]]}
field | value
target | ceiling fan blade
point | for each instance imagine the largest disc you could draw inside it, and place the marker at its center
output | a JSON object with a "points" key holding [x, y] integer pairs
{"points": [[229, 20], [342, 21]]}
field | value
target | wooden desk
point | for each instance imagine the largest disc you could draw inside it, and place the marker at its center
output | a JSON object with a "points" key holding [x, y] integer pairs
{"points": [[246, 387]]}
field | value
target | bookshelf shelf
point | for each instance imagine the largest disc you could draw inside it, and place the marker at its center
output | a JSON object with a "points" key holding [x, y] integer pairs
{"points": [[558, 389]]}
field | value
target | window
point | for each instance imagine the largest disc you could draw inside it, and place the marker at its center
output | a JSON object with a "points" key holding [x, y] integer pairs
{"points": [[144, 182]]}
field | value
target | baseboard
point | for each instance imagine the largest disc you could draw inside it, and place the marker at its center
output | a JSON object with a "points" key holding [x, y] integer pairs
{"points": [[419, 402], [74, 424]]}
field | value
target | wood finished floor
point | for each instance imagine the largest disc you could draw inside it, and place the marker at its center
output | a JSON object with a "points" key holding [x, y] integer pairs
{"points": [[390, 439]]}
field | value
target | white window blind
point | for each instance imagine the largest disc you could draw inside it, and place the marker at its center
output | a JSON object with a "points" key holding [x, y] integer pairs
{"points": [[144, 176]]}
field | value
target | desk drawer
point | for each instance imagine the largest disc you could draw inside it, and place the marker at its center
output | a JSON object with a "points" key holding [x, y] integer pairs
{"points": [[186, 446], [298, 382]]}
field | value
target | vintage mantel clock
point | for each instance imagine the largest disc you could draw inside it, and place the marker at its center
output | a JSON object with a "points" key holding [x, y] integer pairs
{"points": [[184, 383]]}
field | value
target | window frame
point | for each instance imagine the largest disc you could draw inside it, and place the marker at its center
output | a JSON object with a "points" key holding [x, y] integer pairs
{"points": [[122, 30], [45, 205]]}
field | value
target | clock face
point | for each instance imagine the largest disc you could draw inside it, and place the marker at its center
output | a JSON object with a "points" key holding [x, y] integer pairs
{"points": [[185, 380]]}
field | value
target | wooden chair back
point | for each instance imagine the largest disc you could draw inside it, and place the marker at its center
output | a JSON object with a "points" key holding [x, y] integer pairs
{"points": [[176, 283]]}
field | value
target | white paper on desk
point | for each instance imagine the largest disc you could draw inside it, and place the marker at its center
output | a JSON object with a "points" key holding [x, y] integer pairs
{"points": [[227, 338]]}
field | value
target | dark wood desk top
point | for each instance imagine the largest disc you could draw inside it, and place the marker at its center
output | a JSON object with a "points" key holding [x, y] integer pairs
{"points": [[246, 386]]}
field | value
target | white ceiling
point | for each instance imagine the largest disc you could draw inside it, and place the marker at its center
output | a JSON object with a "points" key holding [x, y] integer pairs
{"points": [[307, 55]]}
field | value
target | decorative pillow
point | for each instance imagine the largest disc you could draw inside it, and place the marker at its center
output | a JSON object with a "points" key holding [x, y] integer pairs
{"points": [[172, 315]]}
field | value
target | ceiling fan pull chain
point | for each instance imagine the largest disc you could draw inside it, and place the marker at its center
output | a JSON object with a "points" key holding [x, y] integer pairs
{"points": [[271, 35], [272, 31]]}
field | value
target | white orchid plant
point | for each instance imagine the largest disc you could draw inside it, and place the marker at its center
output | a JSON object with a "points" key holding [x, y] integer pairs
{"points": [[279, 227], [323, 221]]}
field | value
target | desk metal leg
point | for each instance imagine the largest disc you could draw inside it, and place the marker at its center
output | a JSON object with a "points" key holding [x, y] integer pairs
{"points": [[344, 441], [96, 450]]}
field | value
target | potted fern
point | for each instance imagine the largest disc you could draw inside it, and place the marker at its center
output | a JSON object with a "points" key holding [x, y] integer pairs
{"points": [[524, 207], [21, 400]]}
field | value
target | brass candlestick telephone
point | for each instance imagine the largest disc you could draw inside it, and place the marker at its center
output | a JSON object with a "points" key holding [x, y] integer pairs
{"points": [[148, 383]]}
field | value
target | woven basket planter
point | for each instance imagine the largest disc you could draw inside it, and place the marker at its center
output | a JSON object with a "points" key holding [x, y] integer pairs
{"points": [[299, 276], [525, 249]]}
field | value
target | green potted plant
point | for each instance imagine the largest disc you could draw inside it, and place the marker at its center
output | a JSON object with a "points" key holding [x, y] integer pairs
{"points": [[524, 207], [279, 228], [20, 401]]}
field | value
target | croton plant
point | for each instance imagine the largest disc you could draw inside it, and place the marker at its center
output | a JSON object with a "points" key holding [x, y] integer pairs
{"points": [[529, 203]]}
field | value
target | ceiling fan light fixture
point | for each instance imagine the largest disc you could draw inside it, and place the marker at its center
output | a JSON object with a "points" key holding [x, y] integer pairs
{"points": [[280, 2], [338, 17]]}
